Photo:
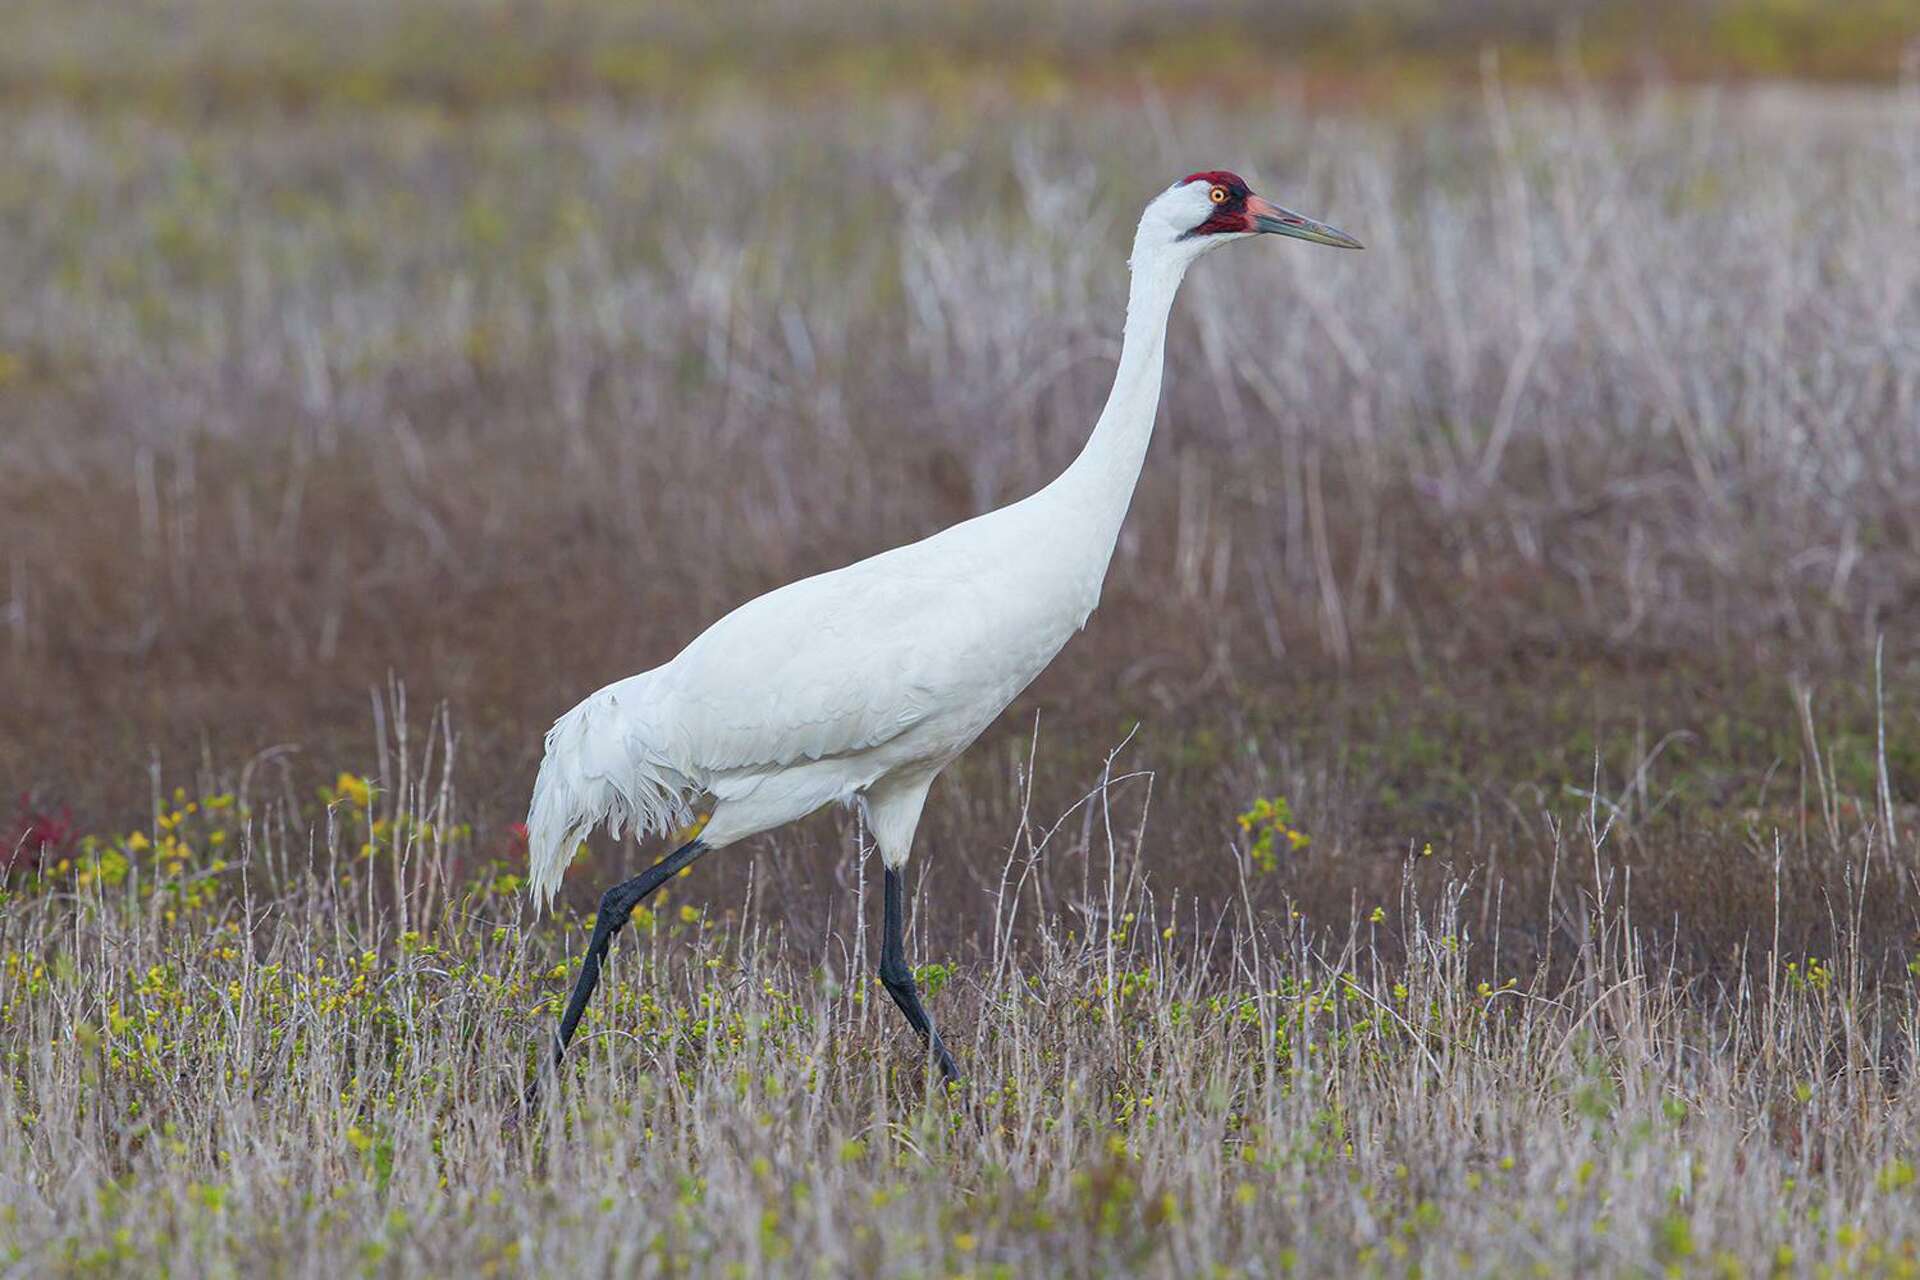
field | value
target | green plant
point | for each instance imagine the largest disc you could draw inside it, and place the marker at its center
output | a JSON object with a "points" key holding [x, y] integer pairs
{"points": [[1269, 823]]}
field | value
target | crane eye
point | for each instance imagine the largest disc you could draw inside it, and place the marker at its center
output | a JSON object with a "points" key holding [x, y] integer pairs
{"points": [[1218, 195]]}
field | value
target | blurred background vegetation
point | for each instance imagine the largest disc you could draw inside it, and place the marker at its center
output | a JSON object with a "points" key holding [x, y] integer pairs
{"points": [[202, 54], [500, 346]]}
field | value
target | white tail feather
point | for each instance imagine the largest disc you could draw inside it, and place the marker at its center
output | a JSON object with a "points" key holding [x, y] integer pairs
{"points": [[603, 763]]}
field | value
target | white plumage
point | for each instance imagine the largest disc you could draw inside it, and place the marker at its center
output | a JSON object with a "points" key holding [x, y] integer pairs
{"points": [[862, 684]]}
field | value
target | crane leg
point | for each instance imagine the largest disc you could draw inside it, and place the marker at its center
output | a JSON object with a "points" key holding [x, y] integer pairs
{"points": [[899, 980], [616, 906]]}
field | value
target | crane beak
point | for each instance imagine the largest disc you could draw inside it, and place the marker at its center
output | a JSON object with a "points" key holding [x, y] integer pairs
{"points": [[1270, 218]]}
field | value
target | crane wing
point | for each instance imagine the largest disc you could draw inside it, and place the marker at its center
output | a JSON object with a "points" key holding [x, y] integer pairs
{"points": [[828, 666], [814, 671]]}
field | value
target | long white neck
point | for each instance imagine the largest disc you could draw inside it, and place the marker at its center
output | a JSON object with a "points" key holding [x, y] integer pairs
{"points": [[1096, 489]]}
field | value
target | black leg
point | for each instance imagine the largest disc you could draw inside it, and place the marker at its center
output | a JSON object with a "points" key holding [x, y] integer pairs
{"points": [[616, 905], [899, 979]]}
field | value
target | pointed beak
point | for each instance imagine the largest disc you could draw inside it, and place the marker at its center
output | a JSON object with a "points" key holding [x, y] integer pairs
{"points": [[1270, 218]]}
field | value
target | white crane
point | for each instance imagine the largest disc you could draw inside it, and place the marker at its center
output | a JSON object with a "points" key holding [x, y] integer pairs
{"points": [[862, 684]]}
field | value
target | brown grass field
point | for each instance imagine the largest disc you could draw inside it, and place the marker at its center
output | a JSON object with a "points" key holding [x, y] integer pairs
{"points": [[1477, 834]]}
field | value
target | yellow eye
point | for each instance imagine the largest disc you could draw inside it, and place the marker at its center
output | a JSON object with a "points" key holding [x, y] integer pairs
{"points": [[1218, 195]]}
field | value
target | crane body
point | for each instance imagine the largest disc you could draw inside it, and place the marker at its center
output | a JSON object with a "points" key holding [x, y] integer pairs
{"points": [[878, 675], [861, 684]]}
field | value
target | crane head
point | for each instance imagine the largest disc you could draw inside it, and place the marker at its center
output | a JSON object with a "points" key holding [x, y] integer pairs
{"points": [[1217, 203]]}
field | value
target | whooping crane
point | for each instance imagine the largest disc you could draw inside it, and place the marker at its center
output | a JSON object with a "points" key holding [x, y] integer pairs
{"points": [[862, 684]]}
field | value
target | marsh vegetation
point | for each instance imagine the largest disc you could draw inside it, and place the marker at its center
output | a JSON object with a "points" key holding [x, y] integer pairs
{"points": [[1476, 834]]}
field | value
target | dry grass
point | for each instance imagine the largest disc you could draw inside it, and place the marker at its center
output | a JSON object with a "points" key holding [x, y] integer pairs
{"points": [[277, 1064], [1553, 534]]}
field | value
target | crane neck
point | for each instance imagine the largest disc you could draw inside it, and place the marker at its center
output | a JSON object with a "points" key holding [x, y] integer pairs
{"points": [[1097, 487]]}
